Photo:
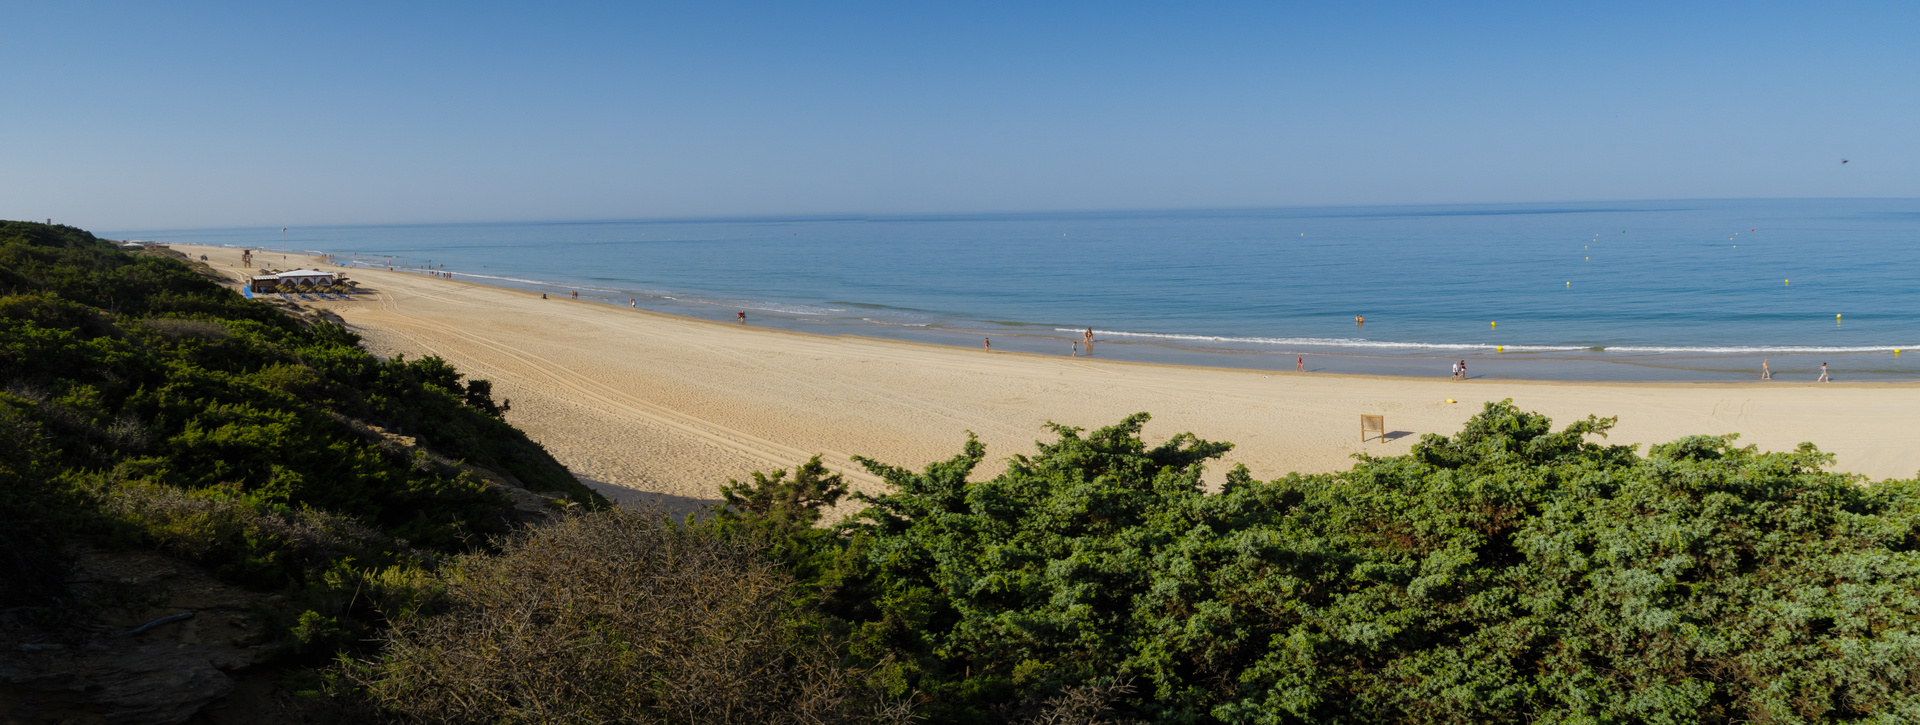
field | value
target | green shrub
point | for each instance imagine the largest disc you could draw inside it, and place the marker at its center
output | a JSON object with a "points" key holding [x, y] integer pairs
{"points": [[1509, 573]]}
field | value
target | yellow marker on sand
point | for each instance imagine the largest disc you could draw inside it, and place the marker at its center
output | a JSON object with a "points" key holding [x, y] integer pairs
{"points": [[1449, 400]]}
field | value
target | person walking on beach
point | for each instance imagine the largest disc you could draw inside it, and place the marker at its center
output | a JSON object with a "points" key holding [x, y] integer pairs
{"points": [[743, 317], [631, 302], [1765, 374], [1076, 349], [986, 343], [1456, 372], [1463, 370], [1823, 374], [1300, 364], [576, 294]]}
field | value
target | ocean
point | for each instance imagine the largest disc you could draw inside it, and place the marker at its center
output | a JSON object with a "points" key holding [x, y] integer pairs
{"points": [[1666, 290]]}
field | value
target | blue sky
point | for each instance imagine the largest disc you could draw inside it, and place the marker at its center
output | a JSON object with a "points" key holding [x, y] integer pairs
{"points": [[145, 115]]}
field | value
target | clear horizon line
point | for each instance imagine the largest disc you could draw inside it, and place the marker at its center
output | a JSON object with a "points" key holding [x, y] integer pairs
{"points": [[957, 215]]}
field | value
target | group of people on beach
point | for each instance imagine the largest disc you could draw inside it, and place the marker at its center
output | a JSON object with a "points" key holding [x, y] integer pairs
{"points": [[986, 343], [1766, 373]]}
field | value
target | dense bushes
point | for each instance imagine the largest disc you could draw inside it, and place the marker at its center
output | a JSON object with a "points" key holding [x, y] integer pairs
{"points": [[1509, 573], [145, 405]]}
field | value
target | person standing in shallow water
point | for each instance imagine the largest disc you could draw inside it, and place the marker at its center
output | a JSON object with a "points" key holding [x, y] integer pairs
{"points": [[743, 317], [1089, 339]]}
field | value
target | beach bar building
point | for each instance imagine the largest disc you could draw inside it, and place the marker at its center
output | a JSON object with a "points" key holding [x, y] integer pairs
{"points": [[284, 281], [312, 276]]}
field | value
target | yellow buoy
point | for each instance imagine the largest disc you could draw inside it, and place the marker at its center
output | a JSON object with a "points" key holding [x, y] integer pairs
{"points": [[1493, 324], [1785, 282], [1499, 348]]}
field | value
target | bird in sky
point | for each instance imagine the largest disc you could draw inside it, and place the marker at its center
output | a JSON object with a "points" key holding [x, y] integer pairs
{"points": [[1843, 162]]}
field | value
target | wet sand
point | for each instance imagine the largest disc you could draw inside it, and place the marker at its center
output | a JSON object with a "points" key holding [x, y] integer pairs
{"points": [[648, 405]]}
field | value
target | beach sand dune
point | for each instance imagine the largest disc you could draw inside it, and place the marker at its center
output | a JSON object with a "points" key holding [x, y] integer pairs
{"points": [[651, 406]]}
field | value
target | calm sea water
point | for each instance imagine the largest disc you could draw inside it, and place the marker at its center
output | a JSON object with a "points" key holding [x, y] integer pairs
{"points": [[1683, 290]]}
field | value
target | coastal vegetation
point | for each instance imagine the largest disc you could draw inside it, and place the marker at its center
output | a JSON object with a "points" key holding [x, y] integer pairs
{"points": [[1511, 572], [146, 408]]}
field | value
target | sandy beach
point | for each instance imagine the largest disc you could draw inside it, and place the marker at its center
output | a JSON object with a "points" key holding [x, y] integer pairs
{"points": [[647, 405]]}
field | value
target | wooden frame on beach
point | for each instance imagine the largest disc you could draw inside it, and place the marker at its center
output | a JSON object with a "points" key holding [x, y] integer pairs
{"points": [[1376, 424]]}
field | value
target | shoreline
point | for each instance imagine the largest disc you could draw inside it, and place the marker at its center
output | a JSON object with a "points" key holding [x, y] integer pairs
{"points": [[656, 405], [1520, 366]]}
